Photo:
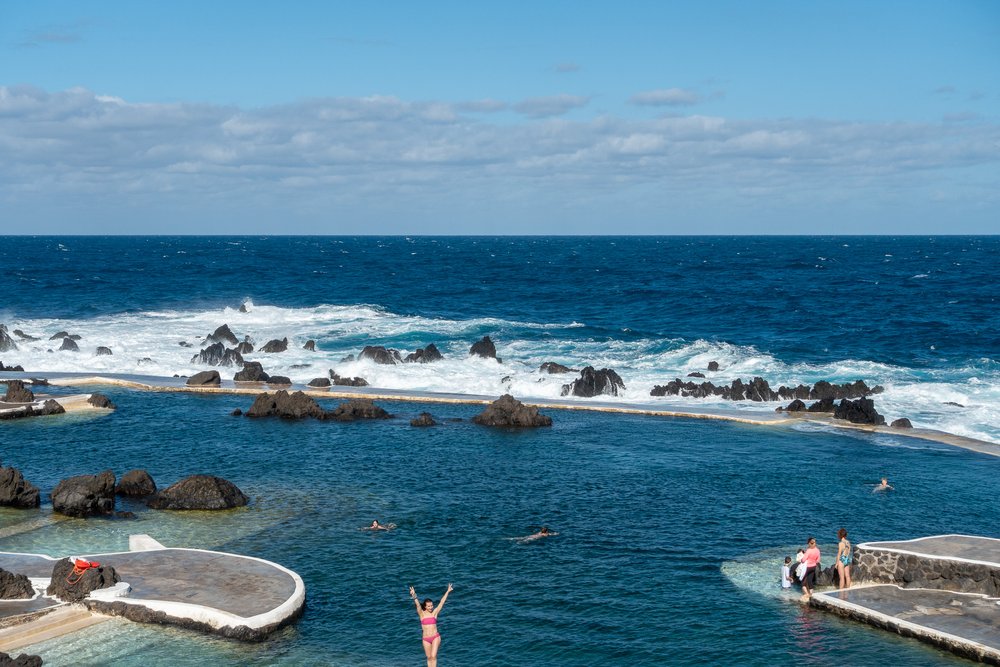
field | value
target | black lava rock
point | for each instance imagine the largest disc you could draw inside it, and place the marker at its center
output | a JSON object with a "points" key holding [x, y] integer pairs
{"points": [[252, 372], [594, 383], [199, 492], [205, 379], [85, 495], [507, 411]]}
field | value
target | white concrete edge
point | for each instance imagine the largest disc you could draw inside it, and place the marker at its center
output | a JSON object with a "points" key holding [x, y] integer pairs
{"points": [[916, 628], [920, 554], [143, 543]]}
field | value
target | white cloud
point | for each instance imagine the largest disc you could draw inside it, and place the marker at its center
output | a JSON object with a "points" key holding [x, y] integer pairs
{"points": [[553, 105], [669, 97]]}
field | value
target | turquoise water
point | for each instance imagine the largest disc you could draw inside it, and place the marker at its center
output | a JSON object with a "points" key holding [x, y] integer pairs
{"points": [[668, 530]]}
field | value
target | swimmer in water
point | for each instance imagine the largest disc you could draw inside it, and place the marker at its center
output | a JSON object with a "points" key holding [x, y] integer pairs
{"points": [[378, 526], [544, 532], [883, 486]]}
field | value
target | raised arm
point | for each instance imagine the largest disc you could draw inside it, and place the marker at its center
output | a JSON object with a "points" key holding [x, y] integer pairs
{"points": [[413, 595], [444, 598]]}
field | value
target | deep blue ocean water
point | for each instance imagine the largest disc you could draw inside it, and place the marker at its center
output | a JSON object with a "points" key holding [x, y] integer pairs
{"points": [[671, 530]]}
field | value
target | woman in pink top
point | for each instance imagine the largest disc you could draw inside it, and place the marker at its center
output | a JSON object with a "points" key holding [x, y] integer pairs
{"points": [[428, 614], [811, 559]]}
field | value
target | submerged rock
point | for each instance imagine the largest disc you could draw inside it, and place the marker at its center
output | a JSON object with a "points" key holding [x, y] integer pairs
{"points": [[23, 336], [310, 345], [199, 492], [205, 379], [594, 383], [104, 351], [424, 419], [71, 585], [18, 393], [15, 586], [552, 368], [85, 495], [136, 484], [359, 408], [286, 406], [15, 491], [347, 382], [252, 372], [508, 411]]}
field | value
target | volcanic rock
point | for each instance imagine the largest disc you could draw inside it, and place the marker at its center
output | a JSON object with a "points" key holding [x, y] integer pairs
{"points": [[15, 491], [22, 660], [204, 379], [199, 492], [252, 372], [310, 345], [380, 355], [759, 390], [236, 413], [222, 335], [861, 411], [243, 308], [713, 365], [68, 344], [696, 374], [184, 343], [795, 406], [507, 411], [57, 336], [347, 382], [902, 422], [101, 401], [217, 354], [104, 351], [319, 382], [285, 405], [23, 336], [425, 355], [279, 380], [70, 587], [246, 347], [484, 348], [136, 484], [826, 405], [358, 408], [594, 383], [424, 419], [18, 393], [552, 368], [18, 369], [275, 345], [6, 342], [15, 586], [85, 495]]}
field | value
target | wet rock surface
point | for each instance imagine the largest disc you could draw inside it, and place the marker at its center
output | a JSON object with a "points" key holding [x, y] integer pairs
{"points": [[71, 585], [15, 586], [252, 372], [199, 492], [484, 348], [758, 389], [85, 495], [18, 393], [7, 343], [424, 355], [101, 401], [205, 379], [552, 368], [507, 411], [222, 335], [274, 346], [594, 382], [15, 491], [380, 355], [423, 419], [136, 484], [347, 382], [218, 355], [360, 408], [286, 406], [861, 411], [902, 422], [69, 345]]}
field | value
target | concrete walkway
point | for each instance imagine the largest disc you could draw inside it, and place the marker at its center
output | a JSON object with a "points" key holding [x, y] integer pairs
{"points": [[971, 548]]}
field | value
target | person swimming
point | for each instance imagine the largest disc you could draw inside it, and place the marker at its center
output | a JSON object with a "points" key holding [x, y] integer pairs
{"points": [[379, 526], [883, 486], [544, 532]]}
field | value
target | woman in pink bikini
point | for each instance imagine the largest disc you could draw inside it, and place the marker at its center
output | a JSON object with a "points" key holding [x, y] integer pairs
{"points": [[428, 614]]}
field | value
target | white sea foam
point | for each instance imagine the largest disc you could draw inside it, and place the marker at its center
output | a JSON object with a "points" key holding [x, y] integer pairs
{"points": [[148, 343]]}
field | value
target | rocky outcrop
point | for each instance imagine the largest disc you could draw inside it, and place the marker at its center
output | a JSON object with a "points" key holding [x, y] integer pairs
{"points": [[424, 355], [507, 411], [71, 585], [794, 406], [223, 335], [347, 382], [826, 405], [423, 419], [286, 406], [359, 408], [15, 491], [552, 368], [69, 345], [484, 348], [713, 366], [758, 389], [49, 407], [252, 372], [319, 382], [902, 422], [18, 393], [281, 380], [101, 401], [594, 383], [273, 346], [136, 484], [15, 586], [22, 660], [23, 336], [199, 492], [310, 346], [205, 379], [103, 351], [16, 369], [696, 374], [7, 343], [217, 354], [85, 495], [380, 355], [861, 411], [246, 347]]}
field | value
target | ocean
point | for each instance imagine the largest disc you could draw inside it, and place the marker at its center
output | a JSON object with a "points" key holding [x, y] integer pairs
{"points": [[671, 530]]}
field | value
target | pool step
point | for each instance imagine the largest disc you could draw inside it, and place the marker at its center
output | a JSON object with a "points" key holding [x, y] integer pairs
{"points": [[62, 621]]}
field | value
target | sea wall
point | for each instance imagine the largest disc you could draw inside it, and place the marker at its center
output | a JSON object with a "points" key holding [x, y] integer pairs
{"points": [[886, 566]]}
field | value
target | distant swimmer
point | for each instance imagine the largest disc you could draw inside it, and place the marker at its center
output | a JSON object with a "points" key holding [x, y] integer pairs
{"points": [[544, 532], [883, 486], [380, 526], [428, 614]]}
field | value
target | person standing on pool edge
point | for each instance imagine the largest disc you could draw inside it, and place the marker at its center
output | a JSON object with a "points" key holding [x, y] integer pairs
{"points": [[428, 614], [811, 559]]}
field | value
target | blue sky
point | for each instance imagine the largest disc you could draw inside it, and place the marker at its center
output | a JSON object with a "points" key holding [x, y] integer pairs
{"points": [[536, 117]]}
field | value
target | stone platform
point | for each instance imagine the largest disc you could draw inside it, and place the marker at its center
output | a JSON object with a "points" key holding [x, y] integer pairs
{"points": [[941, 589], [235, 596]]}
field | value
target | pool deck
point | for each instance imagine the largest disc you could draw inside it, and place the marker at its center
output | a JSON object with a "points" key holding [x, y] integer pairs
{"points": [[939, 589], [228, 594]]}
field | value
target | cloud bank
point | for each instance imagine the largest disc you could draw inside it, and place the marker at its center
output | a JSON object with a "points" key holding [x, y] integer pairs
{"points": [[376, 157]]}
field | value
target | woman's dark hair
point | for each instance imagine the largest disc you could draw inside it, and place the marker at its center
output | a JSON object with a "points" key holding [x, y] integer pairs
{"points": [[842, 533], [426, 600]]}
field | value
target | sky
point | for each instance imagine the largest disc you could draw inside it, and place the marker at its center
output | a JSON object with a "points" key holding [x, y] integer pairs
{"points": [[500, 118]]}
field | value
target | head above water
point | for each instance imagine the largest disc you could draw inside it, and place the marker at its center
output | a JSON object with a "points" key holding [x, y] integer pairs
{"points": [[428, 604], [544, 530], [885, 481]]}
